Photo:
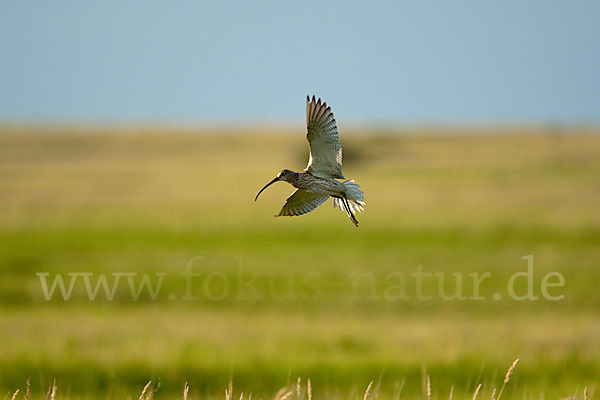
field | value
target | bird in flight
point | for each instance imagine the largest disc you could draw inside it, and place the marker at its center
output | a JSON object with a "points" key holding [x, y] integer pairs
{"points": [[319, 180]]}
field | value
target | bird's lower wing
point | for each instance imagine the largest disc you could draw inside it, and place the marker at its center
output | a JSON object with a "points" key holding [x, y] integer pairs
{"points": [[301, 202]]}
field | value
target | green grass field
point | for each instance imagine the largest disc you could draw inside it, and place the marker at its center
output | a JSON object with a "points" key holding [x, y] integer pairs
{"points": [[311, 296]]}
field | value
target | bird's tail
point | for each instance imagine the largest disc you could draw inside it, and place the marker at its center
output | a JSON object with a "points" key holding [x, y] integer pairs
{"points": [[355, 196]]}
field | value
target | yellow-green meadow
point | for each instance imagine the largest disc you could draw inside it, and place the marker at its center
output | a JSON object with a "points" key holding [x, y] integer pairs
{"points": [[426, 285]]}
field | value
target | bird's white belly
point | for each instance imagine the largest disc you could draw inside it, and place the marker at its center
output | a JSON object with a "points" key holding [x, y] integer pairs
{"points": [[329, 187]]}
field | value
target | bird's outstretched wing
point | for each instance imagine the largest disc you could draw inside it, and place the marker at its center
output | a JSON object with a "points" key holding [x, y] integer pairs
{"points": [[301, 202], [325, 148]]}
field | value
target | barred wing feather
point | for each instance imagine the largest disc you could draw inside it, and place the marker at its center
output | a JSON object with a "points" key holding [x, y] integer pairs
{"points": [[301, 202], [325, 148]]}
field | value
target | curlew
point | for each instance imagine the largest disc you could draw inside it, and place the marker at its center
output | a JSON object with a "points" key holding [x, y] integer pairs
{"points": [[319, 180]]}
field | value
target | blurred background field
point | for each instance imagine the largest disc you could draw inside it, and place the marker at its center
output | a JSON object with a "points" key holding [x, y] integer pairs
{"points": [[133, 139], [148, 200]]}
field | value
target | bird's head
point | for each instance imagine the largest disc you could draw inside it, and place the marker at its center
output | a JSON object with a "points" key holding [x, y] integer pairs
{"points": [[285, 175]]}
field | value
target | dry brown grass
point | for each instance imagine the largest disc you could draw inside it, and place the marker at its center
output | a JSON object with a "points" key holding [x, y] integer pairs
{"points": [[368, 391], [476, 394], [286, 392], [507, 377]]}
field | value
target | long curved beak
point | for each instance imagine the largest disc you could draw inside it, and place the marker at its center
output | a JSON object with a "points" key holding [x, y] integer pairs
{"points": [[266, 186]]}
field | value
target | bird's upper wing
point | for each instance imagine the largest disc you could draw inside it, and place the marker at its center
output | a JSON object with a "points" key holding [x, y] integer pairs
{"points": [[325, 148], [302, 202]]}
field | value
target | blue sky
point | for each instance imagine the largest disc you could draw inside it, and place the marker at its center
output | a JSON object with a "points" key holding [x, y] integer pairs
{"points": [[193, 61]]}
